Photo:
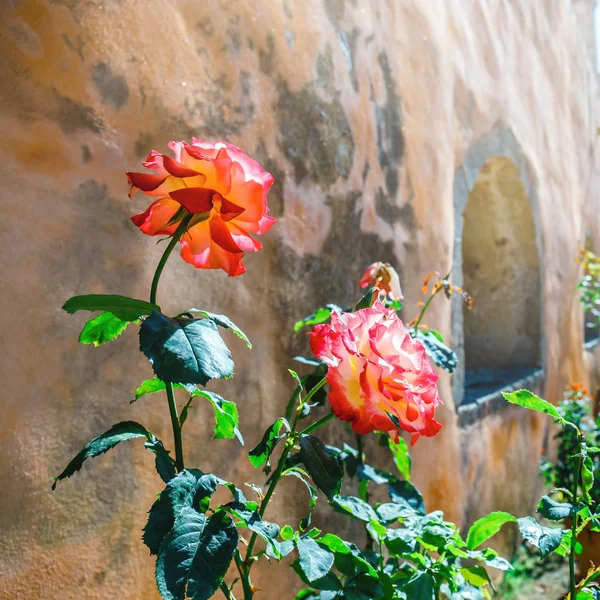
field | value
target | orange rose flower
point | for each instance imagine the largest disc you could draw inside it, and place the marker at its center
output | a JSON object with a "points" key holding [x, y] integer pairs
{"points": [[385, 278], [380, 377], [224, 190]]}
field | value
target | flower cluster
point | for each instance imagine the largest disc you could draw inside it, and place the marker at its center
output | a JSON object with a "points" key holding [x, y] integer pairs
{"points": [[219, 189]]}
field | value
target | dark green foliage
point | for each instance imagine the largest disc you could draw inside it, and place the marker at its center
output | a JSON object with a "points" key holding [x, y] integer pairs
{"points": [[354, 507], [222, 321], [405, 493], [545, 539], [165, 466], [294, 471], [121, 432], [126, 309], [420, 587], [184, 351], [555, 511], [195, 555], [101, 329], [438, 352], [323, 467], [189, 489], [260, 454], [315, 561]]}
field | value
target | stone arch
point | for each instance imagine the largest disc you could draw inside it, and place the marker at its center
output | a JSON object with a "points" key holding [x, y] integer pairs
{"points": [[497, 258]]}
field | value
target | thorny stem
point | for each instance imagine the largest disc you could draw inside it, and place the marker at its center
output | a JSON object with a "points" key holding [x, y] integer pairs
{"points": [[169, 386], [573, 582], [226, 592], [365, 498], [290, 442], [425, 307]]}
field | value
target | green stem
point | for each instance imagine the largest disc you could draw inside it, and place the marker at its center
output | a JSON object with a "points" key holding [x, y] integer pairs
{"points": [[318, 424], [163, 259], [424, 309], [226, 592], [169, 386], [176, 427], [573, 582], [244, 572], [289, 445]]}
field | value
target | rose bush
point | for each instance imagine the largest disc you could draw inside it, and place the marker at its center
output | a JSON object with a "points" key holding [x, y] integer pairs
{"points": [[222, 192], [380, 377]]}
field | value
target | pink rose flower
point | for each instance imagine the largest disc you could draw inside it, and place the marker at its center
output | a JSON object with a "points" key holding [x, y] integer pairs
{"points": [[379, 375]]}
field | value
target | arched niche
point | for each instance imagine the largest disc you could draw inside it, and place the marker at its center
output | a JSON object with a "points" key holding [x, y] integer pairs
{"points": [[497, 259]]}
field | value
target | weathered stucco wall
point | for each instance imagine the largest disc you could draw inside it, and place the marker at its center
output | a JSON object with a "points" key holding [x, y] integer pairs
{"points": [[363, 111]]}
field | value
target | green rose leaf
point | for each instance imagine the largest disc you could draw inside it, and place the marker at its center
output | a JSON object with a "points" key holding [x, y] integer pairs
{"points": [[438, 352], [587, 478], [400, 542], [324, 468], [476, 576], [406, 494], [126, 309], [527, 399], [486, 527], [185, 351], [420, 587], [544, 538], [355, 507], [390, 512], [319, 316], [401, 457], [250, 518], [222, 321], [121, 432], [261, 453], [101, 329], [315, 561], [555, 511], [165, 466], [189, 489], [311, 491], [195, 555]]}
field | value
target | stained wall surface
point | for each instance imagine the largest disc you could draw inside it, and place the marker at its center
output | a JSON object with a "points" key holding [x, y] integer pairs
{"points": [[365, 112]]}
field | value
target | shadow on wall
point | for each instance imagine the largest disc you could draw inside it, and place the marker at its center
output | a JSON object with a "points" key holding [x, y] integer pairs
{"points": [[501, 270]]}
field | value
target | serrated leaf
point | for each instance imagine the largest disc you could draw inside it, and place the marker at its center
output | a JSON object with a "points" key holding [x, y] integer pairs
{"points": [[355, 507], [555, 511], [390, 512], [195, 555], [294, 471], [314, 560], [150, 386], [101, 329], [492, 559], [329, 583], [319, 316], [226, 416], [121, 432], [401, 457], [369, 473], [545, 539], [400, 542], [529, 400], [251, 519], [324, 469], [476, 576], [486, 527], [222, 321], [189, 489], [185, 351], [405, 493], [165, 466], [123, 307], [260, 454], [438, 352], [420, 587]]}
